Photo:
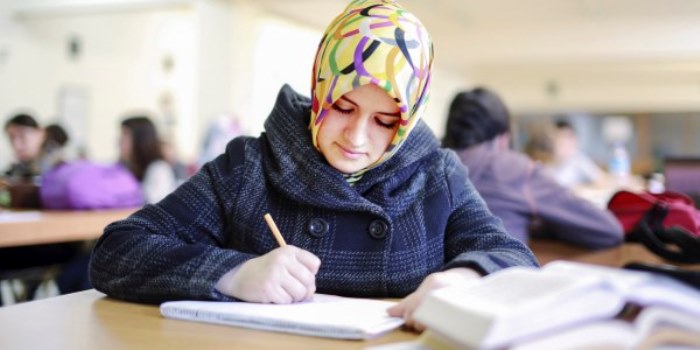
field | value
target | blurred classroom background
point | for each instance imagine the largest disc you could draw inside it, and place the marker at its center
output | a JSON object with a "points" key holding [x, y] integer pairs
{"points": [[86, 64]]}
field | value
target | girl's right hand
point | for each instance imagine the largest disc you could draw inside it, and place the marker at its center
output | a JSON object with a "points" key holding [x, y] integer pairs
{"points": [[282, 276]]}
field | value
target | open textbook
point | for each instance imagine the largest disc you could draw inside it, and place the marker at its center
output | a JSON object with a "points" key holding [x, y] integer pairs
{"points": [[518, 305], [654, 327], [325, 316]]}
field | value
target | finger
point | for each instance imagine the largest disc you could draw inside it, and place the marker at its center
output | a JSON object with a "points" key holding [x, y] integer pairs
{"points": [[305, 277], [397, 309], [302, 274], [419, 327], [295, 289], [410, 303], [409, 321], [279, 295], [413, 325], [310, 291], [308, 259], [408, 324]]}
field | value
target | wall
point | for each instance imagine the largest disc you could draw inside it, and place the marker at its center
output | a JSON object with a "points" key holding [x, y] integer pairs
{"points": [[120, 69]]}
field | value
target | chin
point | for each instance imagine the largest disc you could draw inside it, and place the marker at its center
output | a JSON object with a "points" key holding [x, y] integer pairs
{"points": [[346, 169]]}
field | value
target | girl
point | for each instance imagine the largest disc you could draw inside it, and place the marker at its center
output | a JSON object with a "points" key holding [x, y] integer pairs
{"points": [[368, 202], [140, 150]]}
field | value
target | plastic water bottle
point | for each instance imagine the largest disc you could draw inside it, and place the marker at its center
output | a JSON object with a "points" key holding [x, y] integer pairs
{"points": [[656, 183], [619, 166]]}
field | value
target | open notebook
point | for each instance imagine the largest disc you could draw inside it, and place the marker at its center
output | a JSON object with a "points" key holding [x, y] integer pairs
{"points": [[326, 316]]}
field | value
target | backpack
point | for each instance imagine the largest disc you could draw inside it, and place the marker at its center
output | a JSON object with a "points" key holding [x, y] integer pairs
{"points": [[87, 185], [667, 223]]}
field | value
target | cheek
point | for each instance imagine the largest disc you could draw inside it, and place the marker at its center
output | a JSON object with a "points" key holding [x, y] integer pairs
{"points": [[381, 137], [124, 147], [37, 141], [329, 129], [17, 142], [321, 136]]}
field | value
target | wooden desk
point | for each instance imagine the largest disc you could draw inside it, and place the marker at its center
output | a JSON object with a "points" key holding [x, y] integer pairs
{"points": [[59, 226], [89, 320], [547, 251]]}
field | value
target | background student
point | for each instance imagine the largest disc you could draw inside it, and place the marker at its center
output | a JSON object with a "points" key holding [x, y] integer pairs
{"points": [[141, 151], [38, 149], [55, 140], [527, 199], [26, 138], [368, 202], [557, 147]]}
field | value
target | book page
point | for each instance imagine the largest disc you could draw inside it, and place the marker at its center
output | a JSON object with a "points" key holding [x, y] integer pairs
{"points": [[641, 287], [7, 216], [325, 316], [610, 334], [655, 326], [656, 317], [518, 287]]}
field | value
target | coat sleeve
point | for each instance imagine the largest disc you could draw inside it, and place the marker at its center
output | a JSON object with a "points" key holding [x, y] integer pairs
{"points": [[175, 248], [474, 237], [569, 218]]}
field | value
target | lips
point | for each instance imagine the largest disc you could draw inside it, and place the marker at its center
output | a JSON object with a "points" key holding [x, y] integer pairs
{"points": [[351, 154]]}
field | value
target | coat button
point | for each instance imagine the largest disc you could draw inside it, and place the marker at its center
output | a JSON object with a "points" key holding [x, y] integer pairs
{"points": [[377, 229], [318, 227]]}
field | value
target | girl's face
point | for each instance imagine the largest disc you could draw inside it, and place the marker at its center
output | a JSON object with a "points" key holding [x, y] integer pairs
{"points": [[358, 128], [125, 144]]}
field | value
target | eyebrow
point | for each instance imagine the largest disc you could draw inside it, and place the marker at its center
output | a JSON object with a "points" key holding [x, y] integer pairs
{"points": [[388, 114]]}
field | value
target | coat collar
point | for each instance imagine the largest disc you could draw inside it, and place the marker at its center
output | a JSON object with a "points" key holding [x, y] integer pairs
{"points": [[295, 168]]}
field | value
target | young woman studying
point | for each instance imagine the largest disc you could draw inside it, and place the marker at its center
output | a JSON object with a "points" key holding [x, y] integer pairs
{"points": [[367, 202]]}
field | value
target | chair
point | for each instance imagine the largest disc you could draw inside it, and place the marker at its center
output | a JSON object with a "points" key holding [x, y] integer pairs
{"points": [[22, 285]]}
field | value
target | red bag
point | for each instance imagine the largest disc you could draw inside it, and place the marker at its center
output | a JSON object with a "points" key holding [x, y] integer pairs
{"points": [[630, 208], [668, 224]]}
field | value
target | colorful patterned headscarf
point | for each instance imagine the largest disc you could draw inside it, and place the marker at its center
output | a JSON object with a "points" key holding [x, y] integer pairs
{"points": [[374, 42]]}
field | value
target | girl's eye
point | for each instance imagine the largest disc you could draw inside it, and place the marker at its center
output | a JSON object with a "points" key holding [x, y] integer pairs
{"points": [[383, 124], [342, 110]]}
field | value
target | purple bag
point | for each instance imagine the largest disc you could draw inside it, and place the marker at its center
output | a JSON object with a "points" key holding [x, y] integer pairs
{"points": [[86, 185]]}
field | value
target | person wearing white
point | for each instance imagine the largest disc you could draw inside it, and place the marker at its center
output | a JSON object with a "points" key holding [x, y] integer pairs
{"points": [[140, 150], [571, 167], [158, 181], [577, 169]]}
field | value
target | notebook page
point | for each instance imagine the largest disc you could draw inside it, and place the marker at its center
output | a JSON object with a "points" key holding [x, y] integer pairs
{"points": [[325, 316]]}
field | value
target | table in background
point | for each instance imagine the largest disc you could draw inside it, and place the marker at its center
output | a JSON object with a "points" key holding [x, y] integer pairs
{"points": [[53, 226], [89, 320], [547, 251]]}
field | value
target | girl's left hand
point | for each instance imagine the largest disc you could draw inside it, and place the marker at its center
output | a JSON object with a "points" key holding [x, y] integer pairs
{"points": [[406, 307]]}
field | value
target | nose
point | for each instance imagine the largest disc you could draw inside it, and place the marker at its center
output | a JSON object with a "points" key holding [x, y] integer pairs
{"points": [[356, 131]]}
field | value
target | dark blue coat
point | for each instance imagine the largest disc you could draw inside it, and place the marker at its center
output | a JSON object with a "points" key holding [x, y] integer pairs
{"points": [[413, 215]]}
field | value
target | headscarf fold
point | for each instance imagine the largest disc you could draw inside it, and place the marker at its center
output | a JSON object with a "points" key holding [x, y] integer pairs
{"points": [[373, 42]]}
